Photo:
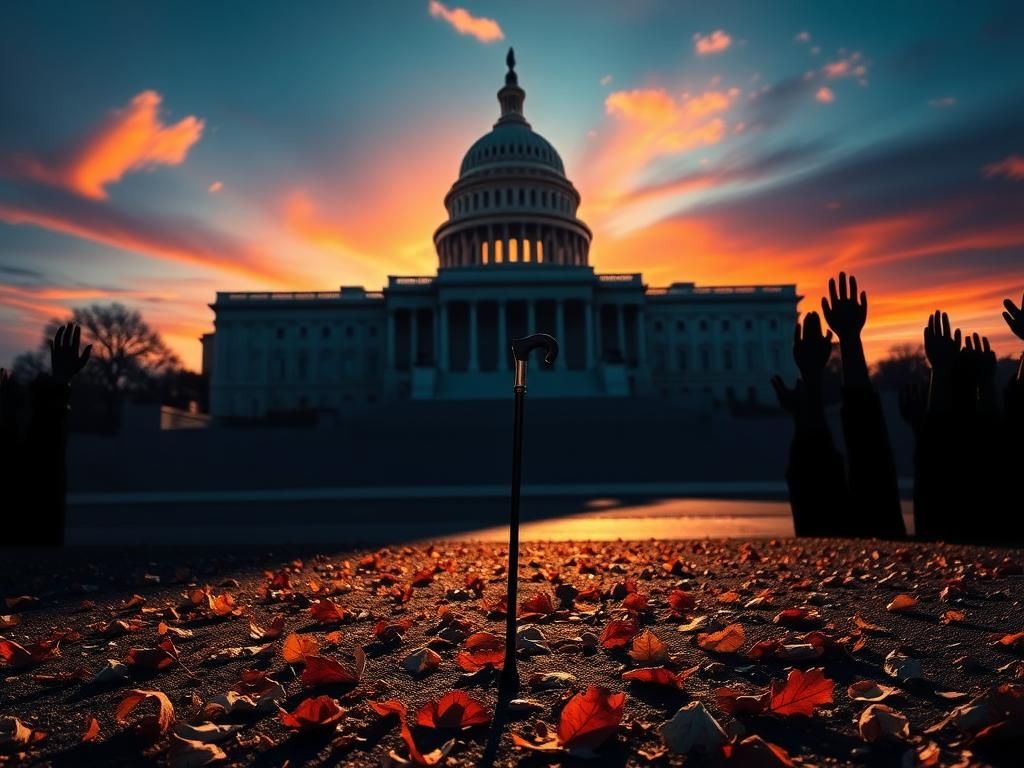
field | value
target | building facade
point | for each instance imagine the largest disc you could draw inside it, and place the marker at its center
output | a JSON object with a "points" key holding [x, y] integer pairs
{"points": [[513, 259]]}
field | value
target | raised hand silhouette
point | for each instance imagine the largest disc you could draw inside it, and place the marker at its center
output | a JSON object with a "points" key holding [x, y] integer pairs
{"points": [[941, 346], [811, 348], [1014, 317], [67, 359], [843, 312]]}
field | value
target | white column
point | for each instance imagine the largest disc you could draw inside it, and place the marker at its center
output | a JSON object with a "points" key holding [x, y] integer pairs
{"points": [[620, 320], [503, 344], [588, 333], [531, 318], [505, 251], [414, 338], [442, 342], [473, 365], [392, 364]]}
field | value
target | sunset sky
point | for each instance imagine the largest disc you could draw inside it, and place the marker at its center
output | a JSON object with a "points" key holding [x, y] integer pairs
{"points": [[155, 153]]}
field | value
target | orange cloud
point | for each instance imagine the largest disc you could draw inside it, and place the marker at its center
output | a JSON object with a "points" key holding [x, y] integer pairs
{"points": [[716, 42], [848, 66], [825, 95], [1011, 167], [483, 29], [216, 186], [130, 139]]}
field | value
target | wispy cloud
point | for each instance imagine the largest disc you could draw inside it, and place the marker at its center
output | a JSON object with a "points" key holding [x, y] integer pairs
{"points": [[851, 65], [216, 186], [716, 42], [1011, 167], [825, 95], [942, 103], [132, 138], [803, 37], [465, 23]]}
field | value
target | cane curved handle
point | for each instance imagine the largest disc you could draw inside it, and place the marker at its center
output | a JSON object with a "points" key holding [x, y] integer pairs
{"points": [[521, 348]]}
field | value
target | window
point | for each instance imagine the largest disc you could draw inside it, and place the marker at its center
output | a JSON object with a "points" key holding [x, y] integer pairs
{"points": [[476, 200], [349, 331], [302, 332], [680, 325], [727, 358], [773, 324], [487, 197], [522, 196], [726, 325], [508, 197], [703, 325], [748, 324], [325, 332], [279, 333], [658, 326], [533, 197]]}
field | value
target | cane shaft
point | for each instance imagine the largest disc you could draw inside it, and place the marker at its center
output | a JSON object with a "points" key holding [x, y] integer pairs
{"points": [[510, 673]]}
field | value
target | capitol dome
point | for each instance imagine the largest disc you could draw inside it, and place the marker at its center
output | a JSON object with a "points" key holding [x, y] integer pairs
{"points": [[512, 203]]}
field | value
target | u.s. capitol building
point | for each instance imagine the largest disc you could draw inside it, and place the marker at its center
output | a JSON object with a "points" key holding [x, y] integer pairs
{"points": [[513, 258]]}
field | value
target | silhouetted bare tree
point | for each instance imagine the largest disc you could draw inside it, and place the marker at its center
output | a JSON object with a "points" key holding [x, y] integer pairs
{"points": [[905, 364]]}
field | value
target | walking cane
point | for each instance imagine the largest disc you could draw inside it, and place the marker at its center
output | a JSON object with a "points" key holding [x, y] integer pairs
{"points": [[521, 349]]}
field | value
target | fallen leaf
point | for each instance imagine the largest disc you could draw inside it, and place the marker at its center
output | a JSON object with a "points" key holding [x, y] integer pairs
{"points": [[735, 702], [153, 659], [799, 618], [114, 672], [867, 626], [328, 612], [680, 601], [12, 620], [398, 709], [482, 649], [540, 604], [274, 631], [902, 667], [314, 712], [547, 681], [658, 676], [185, 753], [17, 656], [298, 647], [163, 628], [208, 733], [618, 633], [321, 670], [693, 625], [755, 752], [869, 690], [648, 649], [901, 602], [801, 693], [952, 617], [14, 733], [454, 711], [692, 728], [240, 652], [590, 718], [635, 602], [92, 730], [151, 726], [1012, 642], [879, 724], [728, 640]]}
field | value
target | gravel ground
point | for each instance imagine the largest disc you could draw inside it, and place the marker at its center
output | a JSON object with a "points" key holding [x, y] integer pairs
{"points": [[79, 591]]}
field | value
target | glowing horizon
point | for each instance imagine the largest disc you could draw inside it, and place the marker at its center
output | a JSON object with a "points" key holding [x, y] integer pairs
{"points": [[714, 147]]}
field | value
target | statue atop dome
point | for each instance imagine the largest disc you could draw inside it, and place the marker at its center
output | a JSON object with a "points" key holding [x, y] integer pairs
{"points": [[510, 77], [511, 97]]}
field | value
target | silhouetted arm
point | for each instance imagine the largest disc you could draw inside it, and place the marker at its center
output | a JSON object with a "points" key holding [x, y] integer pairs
{"points": [[941, 347], [46, 441], [873, 482], [815, 475]]}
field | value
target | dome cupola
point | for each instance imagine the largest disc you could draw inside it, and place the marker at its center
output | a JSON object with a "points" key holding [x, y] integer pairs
{"points": [[512, 202]]}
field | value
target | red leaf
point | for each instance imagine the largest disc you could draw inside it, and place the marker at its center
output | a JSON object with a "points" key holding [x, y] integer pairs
{"points": [[454, 711], [659, 676], [14, 655], [802, 692], [799, 618], [321, 670], [318, 712], [728, 640], [618, 633], [328, 612], [150, 726], [397, 708], [636, 602], [590, 718], [681, 601], [161, 657], [386, 632], [423, 578], [482, 649], [755, 752], [539, 604]]}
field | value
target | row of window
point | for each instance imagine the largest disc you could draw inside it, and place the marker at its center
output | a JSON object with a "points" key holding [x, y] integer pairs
{"points": [[725, 325], [484, 199], [502, 150], [305, 332]]}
